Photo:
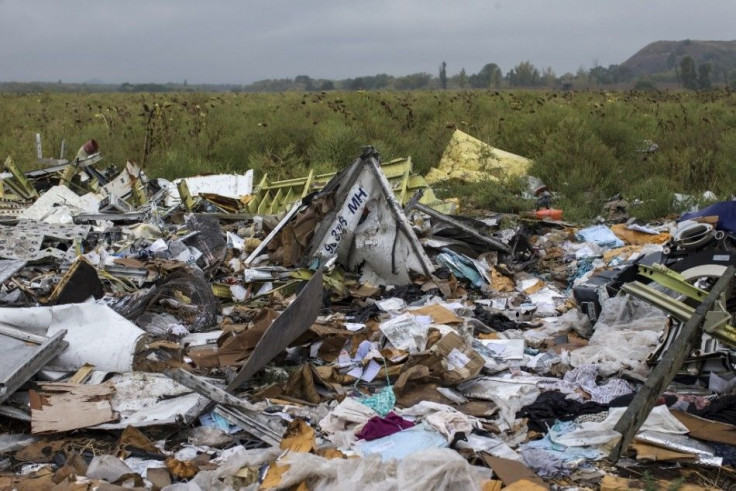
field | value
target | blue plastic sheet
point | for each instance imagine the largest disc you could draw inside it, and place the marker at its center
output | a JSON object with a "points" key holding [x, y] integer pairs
{"points": [[403, 443], [725, 210], [600, 235]]}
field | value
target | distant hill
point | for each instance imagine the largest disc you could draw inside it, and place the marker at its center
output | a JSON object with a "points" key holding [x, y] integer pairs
{"points": [[662, 56]]}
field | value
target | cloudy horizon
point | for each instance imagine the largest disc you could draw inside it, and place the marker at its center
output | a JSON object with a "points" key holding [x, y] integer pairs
{"points": [[239, 42]]}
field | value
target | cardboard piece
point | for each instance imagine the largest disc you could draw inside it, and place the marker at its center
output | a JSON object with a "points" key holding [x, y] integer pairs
{"points": [[438, 313], [159, 476], [233, 348], [299, 437], [653, 453], [705, 429], [525, 485], [511, 471], [613, 483], [301, 385], [458, 361], [64, 407], [492, 485], [501, 282], [133, 438], [273, 475], [181, 469]]}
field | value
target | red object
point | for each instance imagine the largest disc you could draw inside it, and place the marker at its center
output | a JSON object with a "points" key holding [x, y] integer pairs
{"points": [[90, 147], [549, 214]]}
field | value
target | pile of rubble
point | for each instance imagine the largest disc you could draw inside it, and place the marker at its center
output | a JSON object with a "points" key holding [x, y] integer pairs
{"points": [[170, 336]]}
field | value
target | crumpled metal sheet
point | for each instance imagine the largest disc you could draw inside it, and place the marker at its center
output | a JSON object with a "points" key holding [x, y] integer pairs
{"points": [[22, 359], [209, 241], [292, 322], [25, 240], [682, 443], [9, 267]]}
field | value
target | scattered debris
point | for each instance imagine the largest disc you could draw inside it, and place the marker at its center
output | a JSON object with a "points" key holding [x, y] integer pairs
{"points": [[344, 328]]}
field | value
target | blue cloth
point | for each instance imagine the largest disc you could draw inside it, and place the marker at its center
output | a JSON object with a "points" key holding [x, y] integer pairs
{"points": [[550, 459], [381, 402], [600, 235], [725, 210]]}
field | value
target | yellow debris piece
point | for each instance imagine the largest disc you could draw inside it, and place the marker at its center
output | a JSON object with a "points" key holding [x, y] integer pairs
{"points": [[271, 197], [471, 160]]}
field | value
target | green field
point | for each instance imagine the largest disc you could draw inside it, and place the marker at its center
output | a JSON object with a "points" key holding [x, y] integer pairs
{"points": [[586, 145]]}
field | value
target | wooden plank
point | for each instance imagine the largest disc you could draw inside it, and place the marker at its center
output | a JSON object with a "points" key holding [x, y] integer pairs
{"points": [[663, 374]]}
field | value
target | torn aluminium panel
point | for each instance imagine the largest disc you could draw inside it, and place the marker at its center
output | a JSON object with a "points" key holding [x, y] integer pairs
{"points": [[127, 185], [228, 185], [471, 160], [235, 410], [367, 228], [292, 323], [25, 240], [23, 355], [9, 267], [491, 242], [60, 204], [78, 285], [279, 196]]}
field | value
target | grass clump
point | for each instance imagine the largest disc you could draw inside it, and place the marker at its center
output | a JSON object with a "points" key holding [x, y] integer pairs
{"points": [[502, 196], [587, 146]]}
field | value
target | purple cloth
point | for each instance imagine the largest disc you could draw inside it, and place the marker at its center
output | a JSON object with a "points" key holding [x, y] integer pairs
{"points": [[378, 427]]}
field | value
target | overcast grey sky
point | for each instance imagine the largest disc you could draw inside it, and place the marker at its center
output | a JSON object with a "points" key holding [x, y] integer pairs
{"points": [[230, 41]]}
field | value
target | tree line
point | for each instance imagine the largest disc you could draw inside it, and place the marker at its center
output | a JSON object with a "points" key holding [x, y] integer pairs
{"points": [[490, 76], [687, 74]]}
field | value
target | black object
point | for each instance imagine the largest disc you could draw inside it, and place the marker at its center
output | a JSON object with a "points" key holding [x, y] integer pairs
{"points": [[553, 405]]}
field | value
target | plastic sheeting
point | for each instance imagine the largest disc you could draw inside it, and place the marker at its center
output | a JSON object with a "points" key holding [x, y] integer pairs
{"points": [[403, 443], [602, 433], [510, 395], [428, 469], [227, 466], [626, 333], [229, 185]]}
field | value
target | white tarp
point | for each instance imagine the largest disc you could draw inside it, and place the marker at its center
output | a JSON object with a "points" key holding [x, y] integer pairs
{"points": [[96, 334]]}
